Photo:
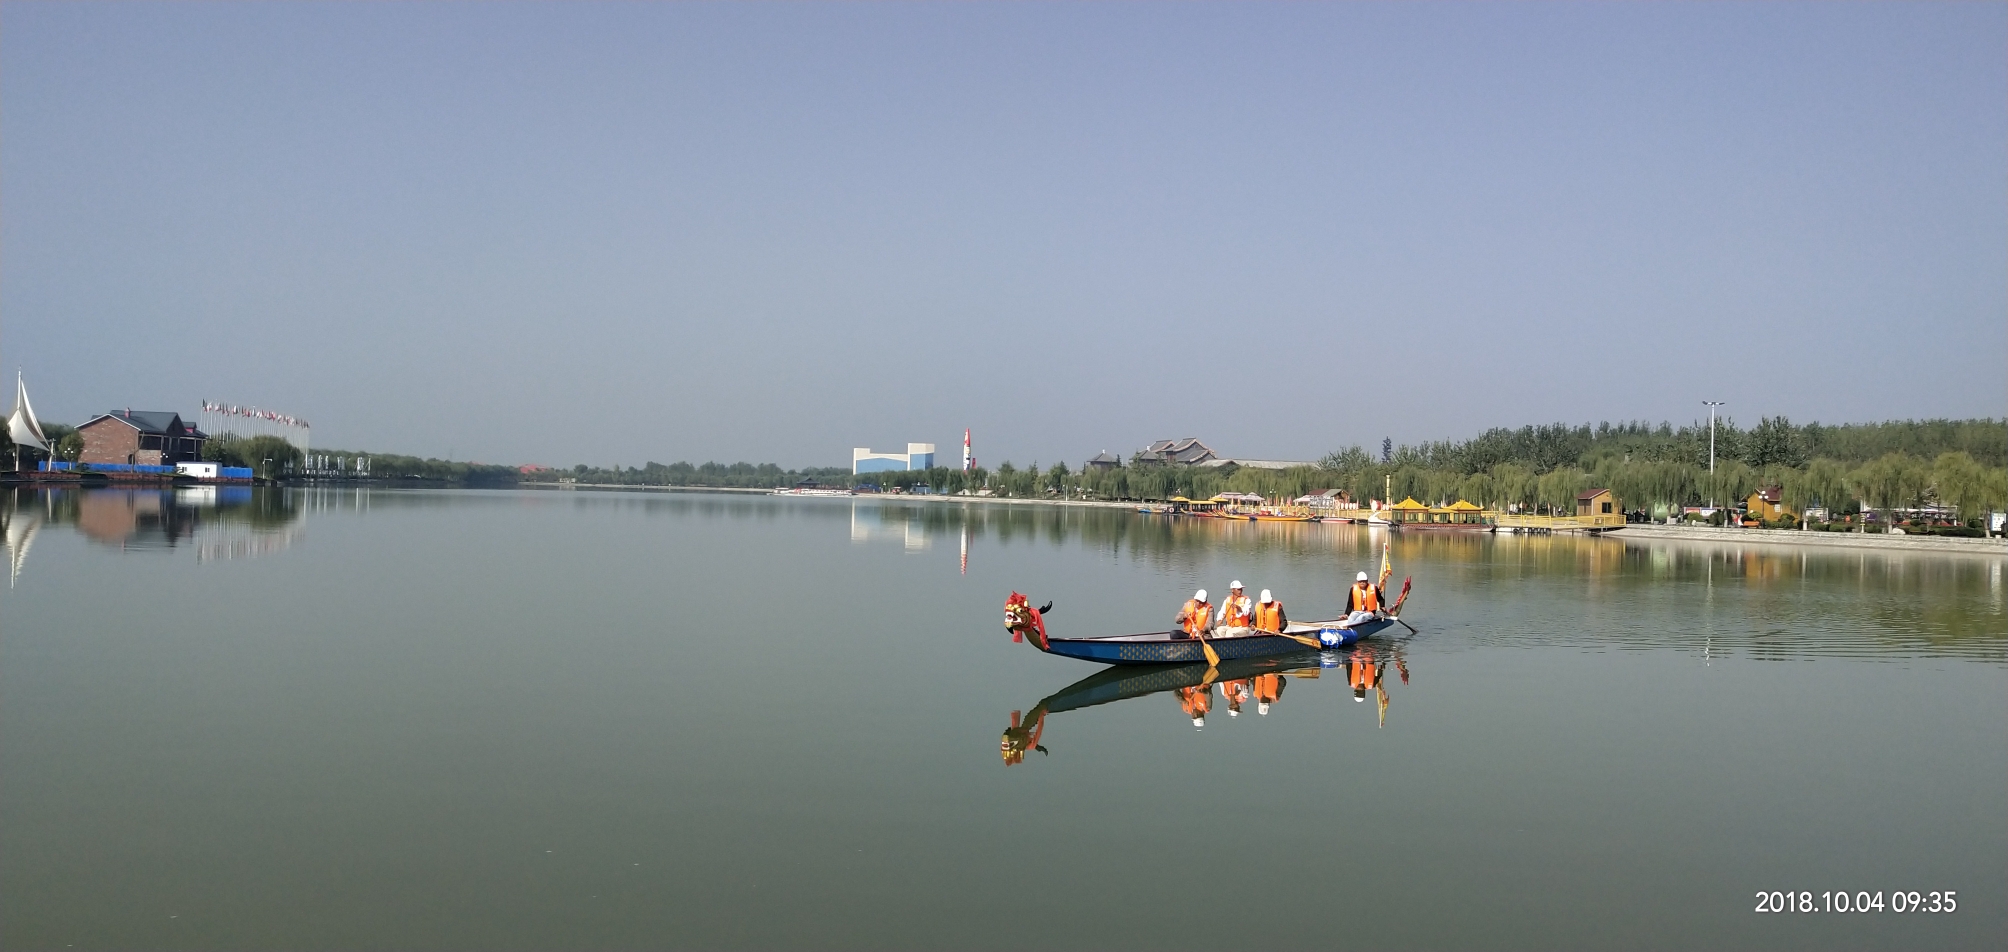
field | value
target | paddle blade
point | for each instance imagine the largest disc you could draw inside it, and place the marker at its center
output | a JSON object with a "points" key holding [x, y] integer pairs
{"points": [[1212, 656]]}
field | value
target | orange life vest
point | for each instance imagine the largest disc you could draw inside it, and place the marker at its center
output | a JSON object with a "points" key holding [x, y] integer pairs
{"points": [[1269, 617], [1268, 687], [1364, 599], [1195, 701], [1235, 611], [1193, 615]]}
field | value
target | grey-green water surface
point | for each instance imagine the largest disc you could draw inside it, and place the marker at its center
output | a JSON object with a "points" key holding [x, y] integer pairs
{"points": [[427, 719]]}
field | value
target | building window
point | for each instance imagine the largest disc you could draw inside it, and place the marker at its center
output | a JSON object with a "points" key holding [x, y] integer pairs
{"points": [[1607, 508]]}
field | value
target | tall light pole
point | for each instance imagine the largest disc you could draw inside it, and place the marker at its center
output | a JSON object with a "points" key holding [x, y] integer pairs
{"points": [[1711, 404]]}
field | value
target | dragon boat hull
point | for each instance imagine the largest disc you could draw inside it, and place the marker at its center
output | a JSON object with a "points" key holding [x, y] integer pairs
{"points": [[1160, 647]]}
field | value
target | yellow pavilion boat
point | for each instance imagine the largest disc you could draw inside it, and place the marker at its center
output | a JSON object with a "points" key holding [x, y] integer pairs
{"points": [[1460, 516]]}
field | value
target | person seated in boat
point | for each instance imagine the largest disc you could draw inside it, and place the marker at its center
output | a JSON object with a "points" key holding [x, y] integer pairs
{"points": [[1268, 690], [1363, 600], [1196, 618], [1195, 701], [1235, 611], [1269, 613], [1236, 692]]}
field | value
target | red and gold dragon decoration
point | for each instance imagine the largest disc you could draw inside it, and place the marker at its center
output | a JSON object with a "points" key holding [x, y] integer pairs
{"points": [[1021, 619]]}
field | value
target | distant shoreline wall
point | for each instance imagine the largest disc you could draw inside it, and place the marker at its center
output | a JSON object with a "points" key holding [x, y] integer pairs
{"points": [[1824, 540]]}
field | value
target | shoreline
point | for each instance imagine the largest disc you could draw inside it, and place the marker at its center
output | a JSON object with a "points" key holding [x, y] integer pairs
{"points": [[1632, 531], [1818, 540]]}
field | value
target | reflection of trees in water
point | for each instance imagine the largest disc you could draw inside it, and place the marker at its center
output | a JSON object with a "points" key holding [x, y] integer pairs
{"points": [[153, 518]]}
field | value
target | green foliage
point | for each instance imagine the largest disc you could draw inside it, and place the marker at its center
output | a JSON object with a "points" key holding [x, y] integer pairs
{"points": [[253, 452], [719, 475]]}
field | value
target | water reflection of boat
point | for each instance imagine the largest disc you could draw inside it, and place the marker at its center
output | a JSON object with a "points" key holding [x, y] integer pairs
{"points": [[1193, 686]]}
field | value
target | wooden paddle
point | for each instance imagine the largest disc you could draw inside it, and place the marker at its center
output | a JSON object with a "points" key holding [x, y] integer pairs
{"points": [[1304, 640], [1212, 656]]}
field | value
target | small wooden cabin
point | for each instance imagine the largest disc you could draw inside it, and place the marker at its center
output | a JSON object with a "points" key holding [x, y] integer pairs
{"points": [[1769, 504], [1596, 502]]}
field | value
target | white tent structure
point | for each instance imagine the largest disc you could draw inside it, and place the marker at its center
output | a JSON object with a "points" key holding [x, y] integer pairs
{"points": [[22, 427]]}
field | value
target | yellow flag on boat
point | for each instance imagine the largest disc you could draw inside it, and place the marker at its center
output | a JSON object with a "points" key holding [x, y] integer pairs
{"points": [[1387, 567]]}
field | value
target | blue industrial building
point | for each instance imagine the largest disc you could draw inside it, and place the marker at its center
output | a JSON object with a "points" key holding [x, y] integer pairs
{"points": [[917, 456]]}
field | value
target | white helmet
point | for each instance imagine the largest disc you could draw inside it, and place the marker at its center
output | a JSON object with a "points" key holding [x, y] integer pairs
{"points": [[1266, 597], [1198, 722], [1359, 697], [1199, 596], [1262, 708], [1235, 585], [1233, 713], [1362, 577]]}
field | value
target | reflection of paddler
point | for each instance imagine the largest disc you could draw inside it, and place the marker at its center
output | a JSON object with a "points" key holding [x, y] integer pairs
{"points": [[1362, 672], [1196, 701], [1268, 690], [1236, 692], [1269, 613], [1020, 738]]}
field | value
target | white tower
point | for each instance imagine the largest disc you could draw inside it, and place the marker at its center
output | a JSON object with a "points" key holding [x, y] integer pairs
{"points": [[967, 462]]}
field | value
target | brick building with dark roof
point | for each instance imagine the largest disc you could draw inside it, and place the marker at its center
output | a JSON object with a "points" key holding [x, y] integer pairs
{"points": [[145, 437]]}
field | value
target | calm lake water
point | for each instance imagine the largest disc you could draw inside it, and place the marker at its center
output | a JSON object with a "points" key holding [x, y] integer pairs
{"points": [[432, 719]]}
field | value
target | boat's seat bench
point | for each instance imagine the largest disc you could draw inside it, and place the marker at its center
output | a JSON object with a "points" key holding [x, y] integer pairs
{"points": [[1293, 628]]}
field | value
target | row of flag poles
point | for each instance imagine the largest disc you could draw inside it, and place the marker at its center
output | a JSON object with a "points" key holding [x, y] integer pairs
{"points": [[220, 418]]}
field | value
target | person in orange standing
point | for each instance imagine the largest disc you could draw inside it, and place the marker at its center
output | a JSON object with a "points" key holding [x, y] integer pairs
{"points": [[1269, 613], [1235, 611], [1196, 618], [1268, 690], [1195, 701]]}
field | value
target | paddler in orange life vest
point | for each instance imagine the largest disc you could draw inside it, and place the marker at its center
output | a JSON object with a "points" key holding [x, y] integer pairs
{"points": [[1235, 611], [1362, 597], [1269, 613], [1196, 617]]}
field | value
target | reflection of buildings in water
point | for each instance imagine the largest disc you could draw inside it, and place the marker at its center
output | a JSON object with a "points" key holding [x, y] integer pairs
{"points": [[223, 521], [134, 518], [1194, 688], [889, 523]]}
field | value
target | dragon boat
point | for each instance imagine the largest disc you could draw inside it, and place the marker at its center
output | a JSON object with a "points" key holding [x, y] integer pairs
{"points": [[1176, 647]]}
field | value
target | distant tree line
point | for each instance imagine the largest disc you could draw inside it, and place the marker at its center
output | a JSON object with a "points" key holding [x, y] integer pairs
{"points": [[1896, 465], [717, 475]]}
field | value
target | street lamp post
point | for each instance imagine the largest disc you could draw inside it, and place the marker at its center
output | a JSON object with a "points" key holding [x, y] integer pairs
{"points": [[1711, 404]]}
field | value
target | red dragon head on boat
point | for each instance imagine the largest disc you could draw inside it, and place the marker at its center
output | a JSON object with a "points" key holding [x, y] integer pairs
{"points": [[1021, 619]]}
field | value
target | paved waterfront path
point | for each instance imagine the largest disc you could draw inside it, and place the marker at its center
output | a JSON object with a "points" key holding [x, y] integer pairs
{"points": [[1993, 547]]}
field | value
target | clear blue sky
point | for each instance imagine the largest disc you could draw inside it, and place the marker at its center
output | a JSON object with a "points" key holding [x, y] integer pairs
{"points": [[612, 233]]}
